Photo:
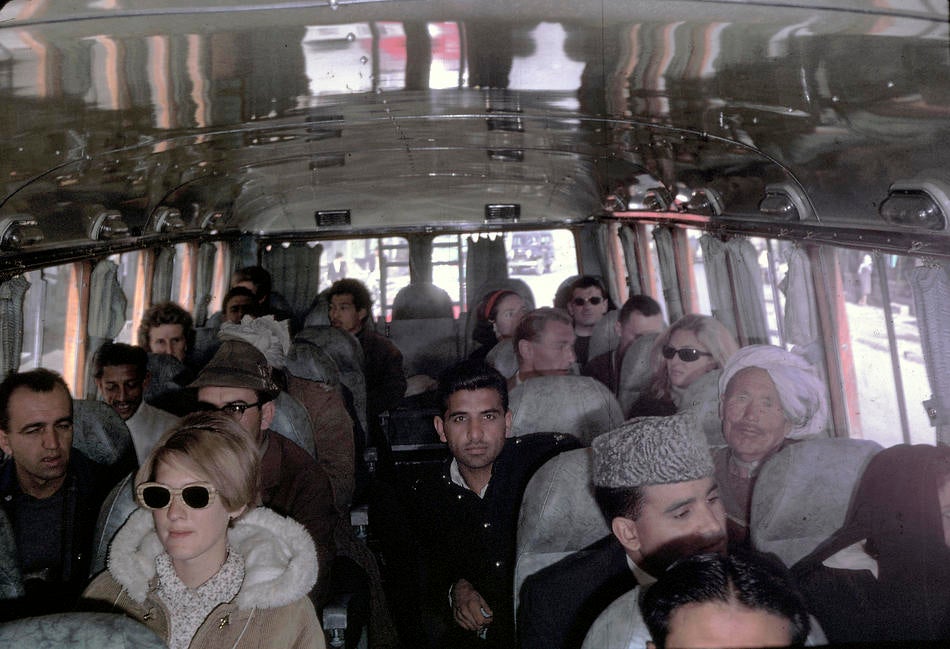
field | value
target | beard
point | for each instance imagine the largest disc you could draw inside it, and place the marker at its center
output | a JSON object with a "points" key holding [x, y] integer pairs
{"points": [[660, 559]]}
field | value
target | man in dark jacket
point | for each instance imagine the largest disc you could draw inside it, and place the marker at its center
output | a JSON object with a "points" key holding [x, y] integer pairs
{"points": [[467, 516], [51, 495]]}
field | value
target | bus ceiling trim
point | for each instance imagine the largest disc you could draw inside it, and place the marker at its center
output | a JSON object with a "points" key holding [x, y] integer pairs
{"points": [[19, 231], [104, 224], [921, 204], [167, 219]]}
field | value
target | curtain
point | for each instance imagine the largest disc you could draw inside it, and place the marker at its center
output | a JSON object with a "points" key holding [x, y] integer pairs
{"points": [[628, 239], [164, 271], [12, 293], [107, 304], [671, 288], [717, 279], [487, 261], [295, 274], [747, 284], [602, 234], [420, 258], [203, 292], [801, 308], [931, 286]]}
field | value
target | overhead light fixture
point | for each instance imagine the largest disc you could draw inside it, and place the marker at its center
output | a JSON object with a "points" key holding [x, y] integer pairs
{"points": [[19, 231], [167, 219], [785, 202], [506, 155], [104, 224], [502, 211], [922, 204], [705, 201], [211, 220], [651, 199], [506, 123]]}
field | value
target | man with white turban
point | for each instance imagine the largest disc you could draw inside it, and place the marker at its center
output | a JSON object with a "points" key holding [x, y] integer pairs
{"points": [[768, 398]]}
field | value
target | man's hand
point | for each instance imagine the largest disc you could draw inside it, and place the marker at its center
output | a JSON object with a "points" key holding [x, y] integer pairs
{"points": [[471, 611]]}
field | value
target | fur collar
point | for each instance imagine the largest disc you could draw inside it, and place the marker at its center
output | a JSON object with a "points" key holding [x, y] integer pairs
{"points": [[279, 557]]}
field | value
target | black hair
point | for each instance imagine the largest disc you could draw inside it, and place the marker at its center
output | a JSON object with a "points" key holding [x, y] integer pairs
{"points": [[643, 304], [354, 288], [625, 502], [588, 281], [471, 375], [257, 276], [111, 354], [38, 380], [752, 580], [237, 291]]}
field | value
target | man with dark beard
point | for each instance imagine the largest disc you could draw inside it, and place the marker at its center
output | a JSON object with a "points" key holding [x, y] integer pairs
{"points": [[653, 480]]}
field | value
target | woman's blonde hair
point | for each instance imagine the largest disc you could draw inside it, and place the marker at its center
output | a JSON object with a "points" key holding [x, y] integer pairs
{"points": [[216, 448], [711, 333]]}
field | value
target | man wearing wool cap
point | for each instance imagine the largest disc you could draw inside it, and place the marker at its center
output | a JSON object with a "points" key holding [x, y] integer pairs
{"points": [[653, 480], [768, 398]]}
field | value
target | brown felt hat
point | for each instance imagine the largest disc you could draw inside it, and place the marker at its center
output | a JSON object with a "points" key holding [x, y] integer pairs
{"points": [[238, 364]]}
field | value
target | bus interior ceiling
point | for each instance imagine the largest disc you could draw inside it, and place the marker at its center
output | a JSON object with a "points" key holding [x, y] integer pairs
{"points": [[130, 126]]}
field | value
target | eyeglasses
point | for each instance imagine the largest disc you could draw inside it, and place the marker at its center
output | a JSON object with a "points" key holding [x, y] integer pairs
{"points": [[155, 495], [233, 410], [686, 354], [581, 301]]}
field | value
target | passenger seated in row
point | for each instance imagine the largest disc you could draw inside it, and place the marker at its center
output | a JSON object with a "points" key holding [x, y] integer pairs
{"points": [[122, 377], [544, 343], [237, 381], [654, 484], [258, 281], [687, 360], [587, 305], [50, 493], [199, 563], [167, 333], [350, 305], [238, 302], [466, 518], [885, 575], [769, 398], [640, 319], [711, 600], [499, 314]]}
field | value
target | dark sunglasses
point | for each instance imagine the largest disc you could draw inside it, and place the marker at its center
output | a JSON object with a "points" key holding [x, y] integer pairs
{"points": [[581, 301], [686, 354], [234, 410], [155, 495]]}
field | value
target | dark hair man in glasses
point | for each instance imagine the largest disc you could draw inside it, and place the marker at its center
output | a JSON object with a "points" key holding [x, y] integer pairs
{"points": [[587, 306], [50, 495], [238, 382]]}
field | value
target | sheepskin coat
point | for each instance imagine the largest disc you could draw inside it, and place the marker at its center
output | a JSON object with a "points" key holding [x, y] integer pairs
{"points": [[271, 610]]}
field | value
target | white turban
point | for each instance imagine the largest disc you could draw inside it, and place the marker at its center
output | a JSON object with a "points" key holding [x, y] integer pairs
{"points": [[269, 336], [800, 390]]}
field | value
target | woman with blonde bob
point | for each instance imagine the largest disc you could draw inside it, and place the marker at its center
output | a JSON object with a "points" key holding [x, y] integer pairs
{"points": [[687, 360], [198, 562]]}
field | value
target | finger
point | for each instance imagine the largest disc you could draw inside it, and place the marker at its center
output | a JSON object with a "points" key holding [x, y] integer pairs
{"points": [[464, 618]]}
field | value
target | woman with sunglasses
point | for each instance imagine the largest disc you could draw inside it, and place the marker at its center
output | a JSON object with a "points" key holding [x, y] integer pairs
{"points": [[199, 563], [686, 360]]}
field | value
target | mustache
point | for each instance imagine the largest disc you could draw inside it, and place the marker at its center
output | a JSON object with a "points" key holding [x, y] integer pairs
{"points": [[658, 561]]}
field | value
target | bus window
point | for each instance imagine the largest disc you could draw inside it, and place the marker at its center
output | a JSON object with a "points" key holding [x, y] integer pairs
{"points": [[45, 311], [543, 259]]}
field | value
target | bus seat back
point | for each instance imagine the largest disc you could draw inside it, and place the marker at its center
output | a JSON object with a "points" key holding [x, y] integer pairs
{"points": [[576, 405], [11, 582], [101, 630], [115, 510], [503, 358], [346, 352], [428, 345], [802, 494], [635, 371], [100, 434], [422, 301], [292, 421], [604, 338]]}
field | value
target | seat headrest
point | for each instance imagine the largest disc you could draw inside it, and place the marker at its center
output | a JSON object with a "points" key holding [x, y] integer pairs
{"points": [[575, 405], [99, 433], [422, 300]]}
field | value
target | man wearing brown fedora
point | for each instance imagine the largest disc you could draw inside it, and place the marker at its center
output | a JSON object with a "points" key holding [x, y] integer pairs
{"points": [[237, 381]]}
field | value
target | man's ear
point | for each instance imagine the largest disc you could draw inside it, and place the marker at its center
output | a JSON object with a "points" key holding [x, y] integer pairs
{"points": [[525, 350], [361, 314], [509, 416], [626, 532], [439, 427], [5, 443], [267, 414], [570, 307]]}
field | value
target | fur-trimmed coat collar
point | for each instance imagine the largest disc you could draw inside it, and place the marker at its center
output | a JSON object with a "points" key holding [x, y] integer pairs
{"points": [[280, 561]]}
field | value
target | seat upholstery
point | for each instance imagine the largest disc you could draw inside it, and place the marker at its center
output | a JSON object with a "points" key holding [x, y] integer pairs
{"points": [[79, 631], [292, 421], [558, 514], [802, 494], [604, 338], [115, 510], [503, 358], [519, 286], [100, 433], [635, 371], [422, 301], [11, 582], [576, 405], [347, 354], [428, 345]]}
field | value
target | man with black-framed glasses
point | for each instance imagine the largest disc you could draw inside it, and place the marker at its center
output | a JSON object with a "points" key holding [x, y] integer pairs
{"points": [[587, 306], [238, 382]]}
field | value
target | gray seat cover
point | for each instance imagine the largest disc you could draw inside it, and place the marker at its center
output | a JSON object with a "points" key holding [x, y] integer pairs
{"points": [[307, 361], [558, 514], [503, 358], [346, 352], [604, 338], [635, 371], [100, 433], [802, 494], [576, 405], [422, 301], [292, 421], [115, 510], [11, 583], [702, 399], [163, 369], [519, 286], [428, 345], [79, 631]]}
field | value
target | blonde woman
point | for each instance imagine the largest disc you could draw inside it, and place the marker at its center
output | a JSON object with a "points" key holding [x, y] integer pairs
{"points": [[198, 563], [687, 360]]}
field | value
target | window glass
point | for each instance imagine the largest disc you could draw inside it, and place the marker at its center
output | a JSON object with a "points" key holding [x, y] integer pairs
{"points": [[44, 318], [381, 264], [183, 276], [774, 267], [127, 275], [543, 259]]}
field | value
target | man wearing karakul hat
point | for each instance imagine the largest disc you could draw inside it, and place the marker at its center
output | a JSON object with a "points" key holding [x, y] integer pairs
{"points": [[768, 398], [653, 480]]}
